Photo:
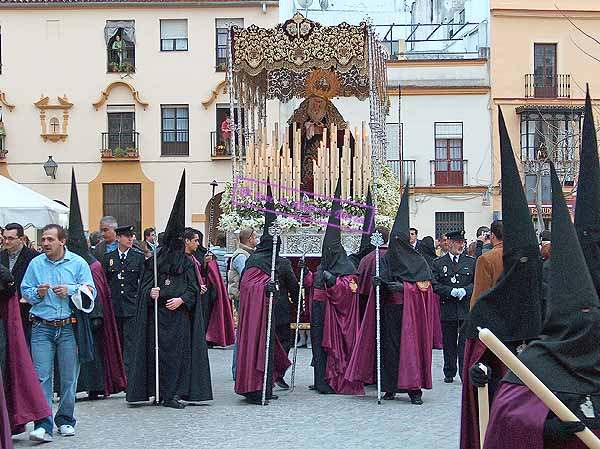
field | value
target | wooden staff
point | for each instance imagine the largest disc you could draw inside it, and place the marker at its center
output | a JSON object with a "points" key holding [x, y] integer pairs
{"points": [[483, 400], [536, 386]]}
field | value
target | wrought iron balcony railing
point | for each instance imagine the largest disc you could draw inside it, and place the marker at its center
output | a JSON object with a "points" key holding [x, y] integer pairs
{"points": [[547, 86], [449, 173], [121, 144], [404, 170]]}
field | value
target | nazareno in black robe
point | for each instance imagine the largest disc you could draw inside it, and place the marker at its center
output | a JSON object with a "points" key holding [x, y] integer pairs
{"points": [[183, 354]]}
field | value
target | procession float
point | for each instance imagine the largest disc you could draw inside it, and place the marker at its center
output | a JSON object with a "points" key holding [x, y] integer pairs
{"points": [[304, 157]]}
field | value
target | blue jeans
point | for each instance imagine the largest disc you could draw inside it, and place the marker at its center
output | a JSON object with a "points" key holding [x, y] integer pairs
{"points": [[46, 342]]}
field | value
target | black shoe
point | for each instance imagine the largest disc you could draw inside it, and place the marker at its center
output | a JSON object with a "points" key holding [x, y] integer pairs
{"points": [[255, 401], [93, 396], [281, 383], [172, 403], [416, 397], [273, 397], [389, 396], [312, 387], [448, 380]]}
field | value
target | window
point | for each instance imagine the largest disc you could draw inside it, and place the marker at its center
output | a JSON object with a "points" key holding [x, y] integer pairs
{"points": [[121, 128], [550, 134], [120, 46], [447, 222], [124, 202], [222, 28], [221, 137], [531, 189], [173, 35], [448, 165], [544, 70], [175, 130]]}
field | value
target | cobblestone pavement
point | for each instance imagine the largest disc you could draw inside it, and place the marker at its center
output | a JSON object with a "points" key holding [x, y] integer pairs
{"points": [[301, 419]]}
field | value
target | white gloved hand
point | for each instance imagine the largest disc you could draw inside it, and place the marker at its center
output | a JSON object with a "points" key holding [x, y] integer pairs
{"points": [[454, 292], [461, 293]]}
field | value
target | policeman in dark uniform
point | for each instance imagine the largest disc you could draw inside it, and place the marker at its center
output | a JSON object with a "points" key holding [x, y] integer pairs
{"points": [[124, 267], [454, 274]]}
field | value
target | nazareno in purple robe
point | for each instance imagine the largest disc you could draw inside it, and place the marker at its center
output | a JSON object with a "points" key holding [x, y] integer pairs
{"points": [[416, 343], [252, 336], [25, 400], [366, 268], [220, 331], [5, 434], [437, 323], [114, 370], [340, 329], [517, 420], [469, 414]]}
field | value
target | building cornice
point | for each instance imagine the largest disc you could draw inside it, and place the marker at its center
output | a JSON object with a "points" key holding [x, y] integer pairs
{"points": [[544, 13], [416, 90], [435, 62]]}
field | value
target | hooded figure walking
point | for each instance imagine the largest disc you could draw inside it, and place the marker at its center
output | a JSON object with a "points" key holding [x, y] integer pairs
{"points": [[184, 371], [335, 317], [407, 319], [512, 308], [255, 288]]}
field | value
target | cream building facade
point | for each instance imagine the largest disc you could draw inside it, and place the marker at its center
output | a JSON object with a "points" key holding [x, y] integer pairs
{"points": [[541, 60], [129, 117]]}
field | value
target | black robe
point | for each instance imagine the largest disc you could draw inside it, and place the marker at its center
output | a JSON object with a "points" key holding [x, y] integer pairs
{"points": [[183, 354]]}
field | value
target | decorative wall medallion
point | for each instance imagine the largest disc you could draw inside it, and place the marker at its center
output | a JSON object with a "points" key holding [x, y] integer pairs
{"points": [[54, 118]]}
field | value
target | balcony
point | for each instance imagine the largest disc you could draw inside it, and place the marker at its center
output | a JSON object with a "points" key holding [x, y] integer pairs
{"points": [[547, 86], [123, 145], [220, 149], [404, 170], [449, 173], [124, 63]]}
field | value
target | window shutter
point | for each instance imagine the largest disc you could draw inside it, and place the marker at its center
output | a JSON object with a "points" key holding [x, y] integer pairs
{"points": [[173, 29]]}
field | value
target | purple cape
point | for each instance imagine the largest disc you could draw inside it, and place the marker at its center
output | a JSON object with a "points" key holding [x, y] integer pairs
{"points": [[114, 370], [437, 323], [517, 420], [252, 337], [220, 331], [416, 343], [340, 328], [366, 268], [469, 416], [5, 434], [25, 399]]}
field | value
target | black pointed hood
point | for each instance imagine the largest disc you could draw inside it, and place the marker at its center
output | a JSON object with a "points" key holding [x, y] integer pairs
{"points": [[587, 208], [334, 258], [512, 309], [367, 230], [76, 242], [566, 357], [261, 258], [427, 249], [171, 258], [402, 262]]}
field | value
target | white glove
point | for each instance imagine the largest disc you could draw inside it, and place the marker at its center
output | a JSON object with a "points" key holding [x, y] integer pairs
{"points": [[454, 292], [461, 293]]}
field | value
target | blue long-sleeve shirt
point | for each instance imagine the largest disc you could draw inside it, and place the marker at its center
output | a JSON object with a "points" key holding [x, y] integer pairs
{"points": [[72, 270]]}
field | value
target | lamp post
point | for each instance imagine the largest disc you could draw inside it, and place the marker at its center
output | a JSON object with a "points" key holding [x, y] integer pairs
{"points": [[214, 184], [50, 167]]}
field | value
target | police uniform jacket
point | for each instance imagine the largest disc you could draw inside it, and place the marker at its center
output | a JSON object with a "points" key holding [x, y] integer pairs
{"points": [[449, 275], [123, 280]]}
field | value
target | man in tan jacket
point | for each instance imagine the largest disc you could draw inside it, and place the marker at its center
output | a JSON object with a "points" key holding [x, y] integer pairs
{"points": [[489, 265]]}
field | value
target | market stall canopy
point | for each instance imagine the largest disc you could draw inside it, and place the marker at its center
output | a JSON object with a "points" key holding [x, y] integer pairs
{"points": [[27, 207], [300, 58]]}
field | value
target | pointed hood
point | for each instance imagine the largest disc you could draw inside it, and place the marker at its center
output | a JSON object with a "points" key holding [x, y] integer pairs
{"points": [[367, 230], [334, 258], [261, 258], [566, 357], [76, 242], [171, 257], [402, 262], [587, 208], [512, 309], [427, 249]]}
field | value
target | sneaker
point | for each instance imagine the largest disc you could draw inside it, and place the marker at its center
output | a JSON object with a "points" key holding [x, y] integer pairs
{"points": [[40, 435], [66, 430]]}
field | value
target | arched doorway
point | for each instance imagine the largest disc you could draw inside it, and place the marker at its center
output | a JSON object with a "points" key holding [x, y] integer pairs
{"points": [[212, 233]]}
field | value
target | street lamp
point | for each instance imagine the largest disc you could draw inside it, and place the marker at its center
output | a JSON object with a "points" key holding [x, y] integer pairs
{"points": [[50, 167], [214, 184]]}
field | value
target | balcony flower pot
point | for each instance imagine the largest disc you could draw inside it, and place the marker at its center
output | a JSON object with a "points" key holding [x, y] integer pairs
{"points": [[107, 153], [220, 150], [3, 154], [132, 152], [119, 152]]}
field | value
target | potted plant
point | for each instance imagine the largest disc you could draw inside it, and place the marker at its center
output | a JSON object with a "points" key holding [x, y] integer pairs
{"points": [[132, 152], [107, 153], [119, 152], [114, 67], [220, 150], [3, 154]]}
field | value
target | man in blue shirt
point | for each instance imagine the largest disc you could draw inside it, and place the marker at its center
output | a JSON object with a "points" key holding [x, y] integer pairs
{"points": [[49, 284]]}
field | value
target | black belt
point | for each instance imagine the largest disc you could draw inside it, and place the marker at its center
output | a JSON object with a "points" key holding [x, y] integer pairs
{"points": [[55, 323]]}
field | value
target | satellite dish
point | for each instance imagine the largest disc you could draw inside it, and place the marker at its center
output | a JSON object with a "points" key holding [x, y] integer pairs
{"points": [[324, 4], [305, 4]]}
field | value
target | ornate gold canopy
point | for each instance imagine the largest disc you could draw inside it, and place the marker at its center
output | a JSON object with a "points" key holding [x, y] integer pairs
{"points": [[299, 57]]}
